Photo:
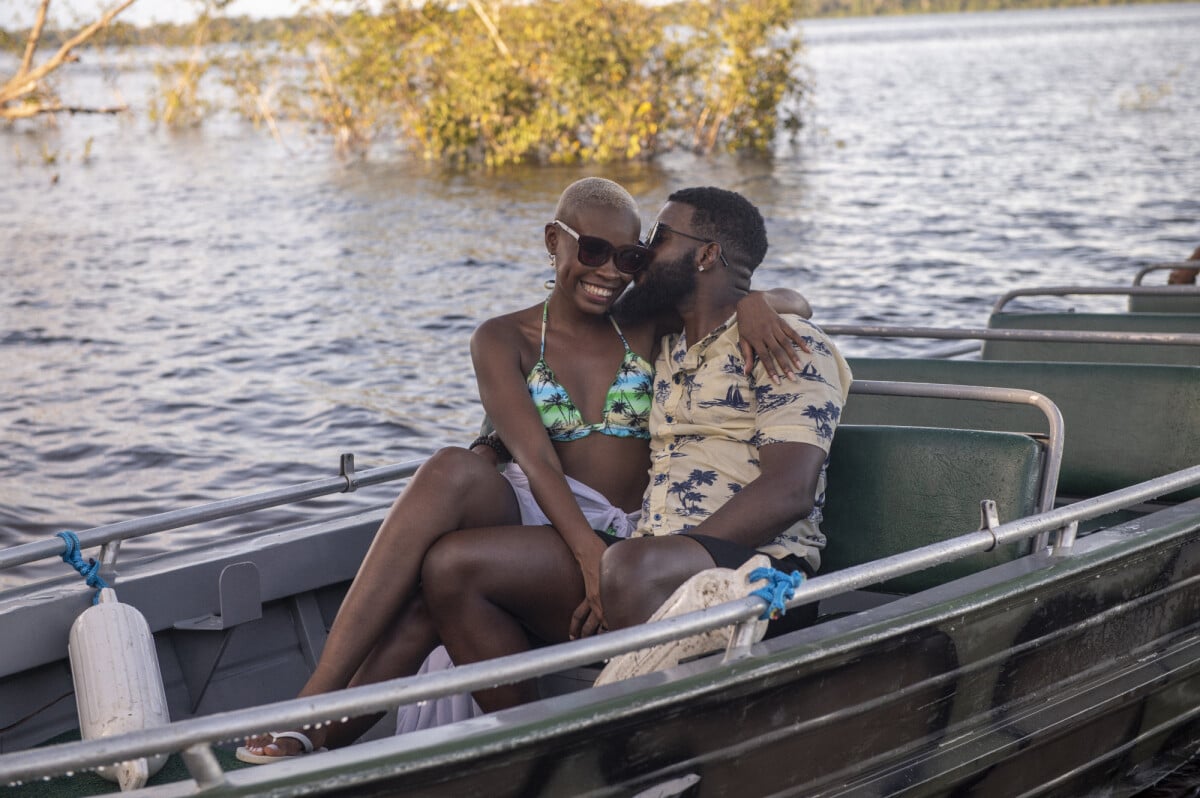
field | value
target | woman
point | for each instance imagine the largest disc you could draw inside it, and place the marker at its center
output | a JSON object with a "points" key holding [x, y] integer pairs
{"points": [[576, 364]]}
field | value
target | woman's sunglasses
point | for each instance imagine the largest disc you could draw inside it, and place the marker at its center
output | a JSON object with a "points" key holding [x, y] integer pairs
{"points": [[595, 252]]}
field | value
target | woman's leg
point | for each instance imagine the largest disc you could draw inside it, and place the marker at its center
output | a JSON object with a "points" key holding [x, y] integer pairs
{"points": [[405, 645], [408, 640], [489, 589], [451, 490]]}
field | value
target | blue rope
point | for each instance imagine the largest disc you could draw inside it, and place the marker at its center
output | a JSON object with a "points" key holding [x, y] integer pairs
{"points": [[89, 570], [780, 589]]}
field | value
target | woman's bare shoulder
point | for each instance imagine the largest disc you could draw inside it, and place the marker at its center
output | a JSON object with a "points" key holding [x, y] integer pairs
{"points": [[511, 330]]}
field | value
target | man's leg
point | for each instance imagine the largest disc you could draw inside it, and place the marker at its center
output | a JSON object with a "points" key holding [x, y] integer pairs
{"points": [[639, 574], [489, 589]]}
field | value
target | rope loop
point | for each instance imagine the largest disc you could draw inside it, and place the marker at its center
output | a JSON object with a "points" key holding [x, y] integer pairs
{"points": [[90, 570], [780, 589]]}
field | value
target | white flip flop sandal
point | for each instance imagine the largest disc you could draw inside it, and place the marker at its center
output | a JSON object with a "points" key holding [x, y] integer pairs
{"points": [[243, 753]]}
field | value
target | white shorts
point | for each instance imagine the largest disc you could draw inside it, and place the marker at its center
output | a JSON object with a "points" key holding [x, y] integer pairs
{"points": [[600, 514]]}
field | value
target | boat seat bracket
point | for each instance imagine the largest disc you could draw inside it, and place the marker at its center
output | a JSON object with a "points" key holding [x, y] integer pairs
{"points": [[239, 599], [989, 519], [1066, 538], [741, 638], [203, 766]]}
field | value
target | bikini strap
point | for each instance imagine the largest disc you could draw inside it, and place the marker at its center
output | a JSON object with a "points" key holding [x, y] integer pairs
{"points": [[545, 315], [620, 334]]}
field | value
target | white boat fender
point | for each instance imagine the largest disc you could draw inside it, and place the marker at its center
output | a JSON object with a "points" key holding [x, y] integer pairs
{"points": [[118, 685]]}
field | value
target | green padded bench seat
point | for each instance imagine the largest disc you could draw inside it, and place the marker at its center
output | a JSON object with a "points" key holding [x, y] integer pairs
{"points": [[1094, 352], [893, 489], [1123, 423]]}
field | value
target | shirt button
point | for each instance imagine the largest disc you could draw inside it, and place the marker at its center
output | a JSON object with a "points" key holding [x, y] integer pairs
{"points": [[658, 516], [671, 447], [678, 378], [670, 419]]}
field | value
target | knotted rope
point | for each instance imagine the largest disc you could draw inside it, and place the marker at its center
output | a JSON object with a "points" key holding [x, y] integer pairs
{"points": [[89, 570], [779, 590]]}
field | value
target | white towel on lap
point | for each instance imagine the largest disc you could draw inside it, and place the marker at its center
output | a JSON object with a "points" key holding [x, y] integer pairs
{"points": [[600, 513], [440, 711]]}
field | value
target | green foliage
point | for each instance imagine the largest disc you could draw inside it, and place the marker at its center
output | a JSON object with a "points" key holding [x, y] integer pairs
{"points": [[551, 81], [179, 102]]}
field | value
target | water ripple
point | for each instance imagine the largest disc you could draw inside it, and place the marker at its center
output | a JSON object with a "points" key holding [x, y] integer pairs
{"points": [[188, 318]]}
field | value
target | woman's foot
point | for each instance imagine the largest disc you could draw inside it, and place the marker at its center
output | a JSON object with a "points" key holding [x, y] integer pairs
{"points": [[263, 748]]}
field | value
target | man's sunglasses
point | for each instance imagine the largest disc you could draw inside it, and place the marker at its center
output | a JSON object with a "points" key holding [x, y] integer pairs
{"points": [[595, 252], [655, 237]]}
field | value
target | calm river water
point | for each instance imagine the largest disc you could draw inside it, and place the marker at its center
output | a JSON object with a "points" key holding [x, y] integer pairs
{"points": [[194, 316]]}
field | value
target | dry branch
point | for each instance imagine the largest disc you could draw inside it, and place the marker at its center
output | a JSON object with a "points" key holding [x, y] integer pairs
{"points": [[35, 35], [30, 109], [26, 81]]}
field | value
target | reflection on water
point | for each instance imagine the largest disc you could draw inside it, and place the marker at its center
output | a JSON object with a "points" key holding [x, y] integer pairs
{"points": [[192, 316]]}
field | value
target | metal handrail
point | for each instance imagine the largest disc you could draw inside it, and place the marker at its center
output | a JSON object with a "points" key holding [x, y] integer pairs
{"points": [[294, 713], [932, 390], [1156, 267], [347, 482], [988, 334], [1099, 290]]}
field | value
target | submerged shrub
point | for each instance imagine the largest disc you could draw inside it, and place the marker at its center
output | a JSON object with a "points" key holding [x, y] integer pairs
{"points": [[549, 81]]}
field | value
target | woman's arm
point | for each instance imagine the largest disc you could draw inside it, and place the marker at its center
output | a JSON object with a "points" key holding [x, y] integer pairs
{"points": [[765, 334], [496, 354]]}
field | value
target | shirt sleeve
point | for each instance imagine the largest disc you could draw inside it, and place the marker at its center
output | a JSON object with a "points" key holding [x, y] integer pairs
{"points": [[807, 409]]}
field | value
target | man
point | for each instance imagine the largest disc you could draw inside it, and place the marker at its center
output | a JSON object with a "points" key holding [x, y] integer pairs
{"points": [[737, 460], [1185, 276]]}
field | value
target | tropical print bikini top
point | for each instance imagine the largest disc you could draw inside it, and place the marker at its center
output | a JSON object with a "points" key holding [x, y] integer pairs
{"points": [[626, 408]]}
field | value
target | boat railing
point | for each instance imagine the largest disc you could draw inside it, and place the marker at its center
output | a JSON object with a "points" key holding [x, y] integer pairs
{"points": [[110, 535], [989, 334], [1162, 267], [193, 738], [1100, 290]]}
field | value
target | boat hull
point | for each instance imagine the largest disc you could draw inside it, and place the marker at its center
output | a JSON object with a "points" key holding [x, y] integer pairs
{"points": [[1044, 676]]}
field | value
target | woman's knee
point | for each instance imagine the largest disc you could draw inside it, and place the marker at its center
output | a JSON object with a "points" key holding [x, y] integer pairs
{"points": [[450, 569], [452, 469]]}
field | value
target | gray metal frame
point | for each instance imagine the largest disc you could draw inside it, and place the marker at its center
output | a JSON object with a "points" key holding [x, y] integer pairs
{"points": [[988, 334], [1162, 267], [194, 737], [346, 482], [1096, 290]]}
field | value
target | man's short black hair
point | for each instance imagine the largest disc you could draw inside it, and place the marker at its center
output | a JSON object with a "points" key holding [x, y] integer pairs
{"points": [[729, 219]]}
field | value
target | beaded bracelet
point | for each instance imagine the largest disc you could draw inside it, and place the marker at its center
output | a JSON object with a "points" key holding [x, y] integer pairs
{"points": [[493, 441]]}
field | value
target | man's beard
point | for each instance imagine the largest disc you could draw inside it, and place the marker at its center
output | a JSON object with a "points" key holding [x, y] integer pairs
{"points": [[660, 291]]}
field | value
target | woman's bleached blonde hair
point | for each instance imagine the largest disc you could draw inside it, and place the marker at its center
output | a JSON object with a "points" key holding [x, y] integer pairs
{"points": [[594, 192]]}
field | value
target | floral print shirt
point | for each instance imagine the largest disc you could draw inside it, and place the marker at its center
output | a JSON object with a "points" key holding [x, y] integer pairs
{"points": [[709, 420]]}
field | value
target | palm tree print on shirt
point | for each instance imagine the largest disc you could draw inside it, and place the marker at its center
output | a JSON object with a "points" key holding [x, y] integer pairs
{"points": [[689, 494], [825, 417]]}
